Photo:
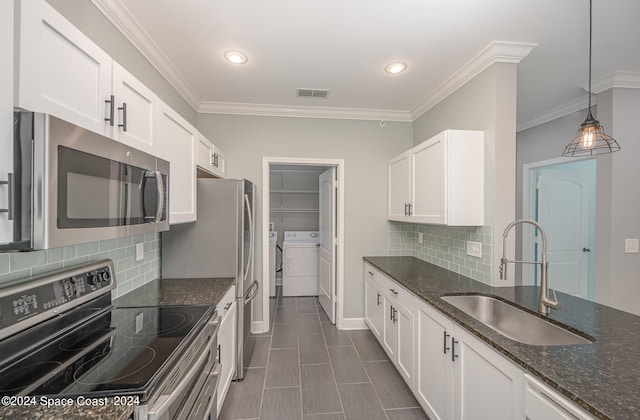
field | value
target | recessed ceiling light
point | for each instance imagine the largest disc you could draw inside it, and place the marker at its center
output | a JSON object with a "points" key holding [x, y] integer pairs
{"points": [[395, 68], [235, 57]]}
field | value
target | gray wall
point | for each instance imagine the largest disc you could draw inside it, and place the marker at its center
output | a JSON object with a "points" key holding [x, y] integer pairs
{"points": [[617, 193], [365, 148], [86, 17], [488, 103]]}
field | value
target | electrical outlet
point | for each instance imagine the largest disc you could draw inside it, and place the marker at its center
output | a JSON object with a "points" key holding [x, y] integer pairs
{"points": [[474, 249], [420, 237], [631, 246], [140, 251]]}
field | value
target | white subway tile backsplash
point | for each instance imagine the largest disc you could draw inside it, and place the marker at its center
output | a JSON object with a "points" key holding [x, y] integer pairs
{"points": [[129, 273]]}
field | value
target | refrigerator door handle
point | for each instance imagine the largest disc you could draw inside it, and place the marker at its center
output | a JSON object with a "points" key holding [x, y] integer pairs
{"points": [[252, 292], [248, 207]]}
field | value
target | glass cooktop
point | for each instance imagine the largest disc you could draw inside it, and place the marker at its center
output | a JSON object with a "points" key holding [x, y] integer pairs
{"points": [[123, 351]]}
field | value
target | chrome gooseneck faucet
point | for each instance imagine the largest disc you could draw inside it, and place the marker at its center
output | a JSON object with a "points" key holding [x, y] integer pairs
{"points": [[544, 302]]}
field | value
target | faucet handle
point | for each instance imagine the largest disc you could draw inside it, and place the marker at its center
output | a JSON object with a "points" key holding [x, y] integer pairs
{"points": [[556, 304]]}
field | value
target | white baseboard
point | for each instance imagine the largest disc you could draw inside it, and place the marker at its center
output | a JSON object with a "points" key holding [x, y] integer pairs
{"points": [[354, 324], [257, 327]]}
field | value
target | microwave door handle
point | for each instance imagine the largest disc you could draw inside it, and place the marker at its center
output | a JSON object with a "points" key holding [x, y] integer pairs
{"points": [[248, 205], [160, 191]]}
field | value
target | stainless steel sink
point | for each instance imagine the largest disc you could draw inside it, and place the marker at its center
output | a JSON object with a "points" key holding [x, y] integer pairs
{"points": [[512, 322]]}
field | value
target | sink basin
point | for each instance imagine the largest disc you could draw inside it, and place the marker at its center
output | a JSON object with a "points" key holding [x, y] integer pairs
{"points": [[512, 322]]}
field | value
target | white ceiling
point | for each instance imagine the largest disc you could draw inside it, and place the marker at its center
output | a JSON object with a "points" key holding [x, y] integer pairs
{"points": [[344, 45]]}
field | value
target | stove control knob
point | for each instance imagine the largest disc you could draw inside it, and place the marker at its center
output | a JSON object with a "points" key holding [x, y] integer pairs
{"points": [[93, 279], [106, 276]]}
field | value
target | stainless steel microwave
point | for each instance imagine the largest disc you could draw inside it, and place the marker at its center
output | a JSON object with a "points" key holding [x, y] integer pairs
{"points": [[69, 185]]}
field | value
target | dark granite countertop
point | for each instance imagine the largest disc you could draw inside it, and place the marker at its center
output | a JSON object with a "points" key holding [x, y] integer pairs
{"points": [[602, 377], [205, 291]]}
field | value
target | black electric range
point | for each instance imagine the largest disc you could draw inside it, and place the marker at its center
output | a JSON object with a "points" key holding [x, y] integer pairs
{"points": [[61, 336]]}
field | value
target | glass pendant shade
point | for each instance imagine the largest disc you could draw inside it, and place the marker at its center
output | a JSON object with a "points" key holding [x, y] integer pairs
{"points": [[591, 140]]}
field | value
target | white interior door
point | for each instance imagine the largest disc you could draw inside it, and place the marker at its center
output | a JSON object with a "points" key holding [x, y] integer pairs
{"points": [[566, 206], [327, 254]]}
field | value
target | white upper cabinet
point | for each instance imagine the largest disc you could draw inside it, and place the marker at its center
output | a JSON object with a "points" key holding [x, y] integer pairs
{"points": [[177, 144], [135, 111], [210, 158], [63, 73], [440, 181], [400, 185], [60, 70], [6, 117]]}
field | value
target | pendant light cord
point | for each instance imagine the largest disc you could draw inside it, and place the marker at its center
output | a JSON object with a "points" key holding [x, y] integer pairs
{"points": [[590, 36]]}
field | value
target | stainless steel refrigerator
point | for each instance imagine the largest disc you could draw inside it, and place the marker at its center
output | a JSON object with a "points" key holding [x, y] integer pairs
{"points": [[219, 244]]}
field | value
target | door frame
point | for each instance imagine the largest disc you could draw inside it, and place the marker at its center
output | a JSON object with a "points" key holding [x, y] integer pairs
{"points": [[528, 210], [267, 161]]}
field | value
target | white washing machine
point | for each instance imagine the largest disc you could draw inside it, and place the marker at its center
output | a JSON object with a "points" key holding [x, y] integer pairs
{"points": [[273, 239], [300, 263]]}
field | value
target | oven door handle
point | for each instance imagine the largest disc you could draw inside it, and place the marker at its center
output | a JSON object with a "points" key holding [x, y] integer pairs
{"points": [[160, 409]]}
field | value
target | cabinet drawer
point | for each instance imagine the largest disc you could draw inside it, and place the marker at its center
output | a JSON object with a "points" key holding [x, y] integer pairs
{"points": [[542, 403], [402, 295], [227, 300], [373, 274]]}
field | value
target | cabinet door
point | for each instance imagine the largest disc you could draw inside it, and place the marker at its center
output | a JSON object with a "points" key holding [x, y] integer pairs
{"points": [[176, 144], [374, 309], [406, 342], [227, 343], [61, 71], [429, 181], [390, 328], [136, 110], [543, 403], [399, 194], [486, 385], [204, 154], [434, 381], [219, 162], [6, 115]]}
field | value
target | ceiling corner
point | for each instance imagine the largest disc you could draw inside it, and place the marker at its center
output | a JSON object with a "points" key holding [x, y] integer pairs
{"points": [[124, 22], [495, 52]]}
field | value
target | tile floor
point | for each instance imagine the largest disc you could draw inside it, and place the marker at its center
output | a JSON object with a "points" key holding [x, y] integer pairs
{"points": [[307, 369]]}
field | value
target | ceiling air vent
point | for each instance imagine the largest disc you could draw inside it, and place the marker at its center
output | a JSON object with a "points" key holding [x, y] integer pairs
{"points": [[312, 93]]}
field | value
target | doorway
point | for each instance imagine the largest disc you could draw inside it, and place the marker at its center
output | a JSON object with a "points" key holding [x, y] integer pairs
{"points": [[560, 195], [303, 197]]}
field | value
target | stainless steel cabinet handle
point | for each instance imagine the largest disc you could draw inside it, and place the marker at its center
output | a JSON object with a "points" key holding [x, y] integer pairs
{"points": [[219, 355], [378, 299], [227, 306], [10, 203], [391, 312], [111, 101], [215, 160], [406, 212], [410, 209], [123, 108], [453, 349], [445, 348], [394, 291], [585, 249], [370, 273]]}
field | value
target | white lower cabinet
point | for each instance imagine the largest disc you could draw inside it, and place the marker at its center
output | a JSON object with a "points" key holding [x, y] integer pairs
{"points": [[543, 403], [389, 312], [374, 308], [460, 377], [226, 344]]}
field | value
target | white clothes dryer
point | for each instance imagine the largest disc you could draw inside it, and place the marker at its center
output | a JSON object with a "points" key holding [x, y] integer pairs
{"points": [[300, 263]]}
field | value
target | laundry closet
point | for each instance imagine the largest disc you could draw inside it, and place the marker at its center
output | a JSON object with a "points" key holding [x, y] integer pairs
{"points": [[294, 235]]}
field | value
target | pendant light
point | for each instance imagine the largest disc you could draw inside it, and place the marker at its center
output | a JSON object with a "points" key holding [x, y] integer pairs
{"points": [[590, 138]]}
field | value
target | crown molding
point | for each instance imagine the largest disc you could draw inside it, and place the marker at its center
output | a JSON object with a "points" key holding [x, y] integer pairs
{"points": [[120, 17], [618, 79], [208, 107], [557, 112], [495, 52]]}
